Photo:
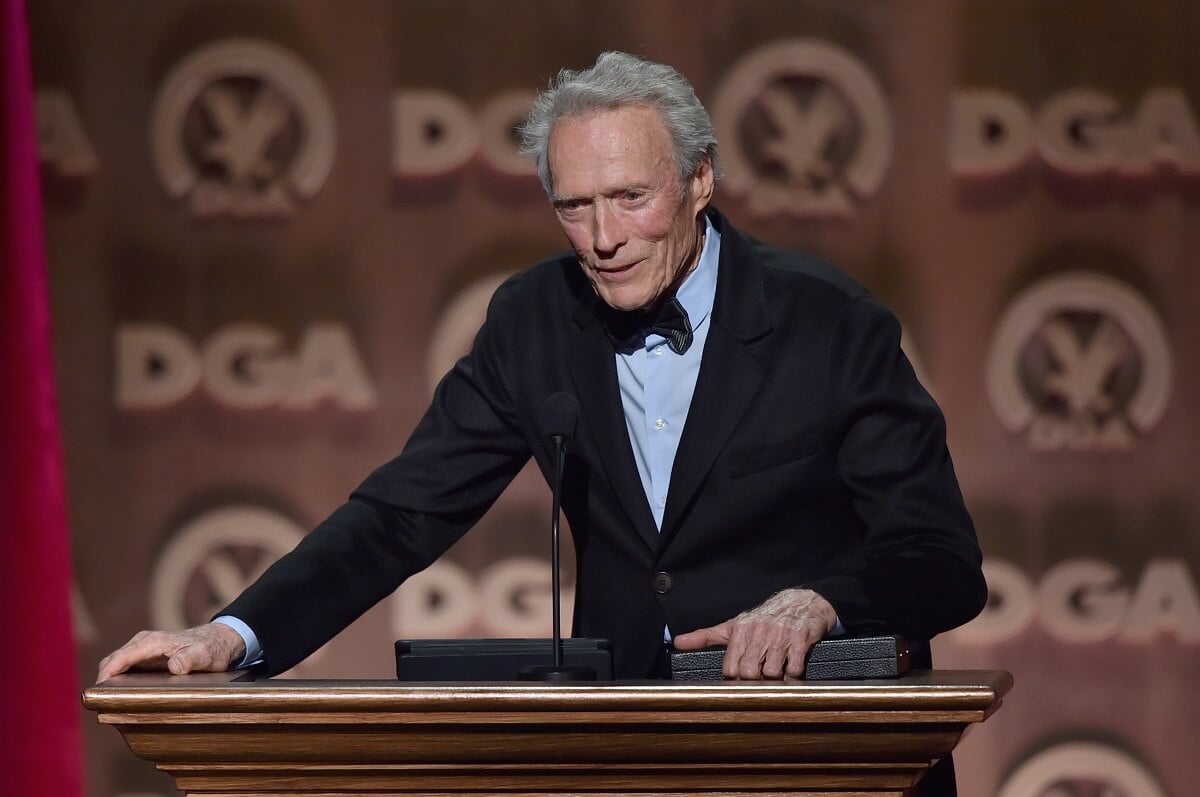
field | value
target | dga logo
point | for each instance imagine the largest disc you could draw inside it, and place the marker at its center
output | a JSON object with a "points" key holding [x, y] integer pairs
{"points": [[1081, 769], [213, 558], [1079, 361], [458, 324], [242, 128], [1080, 132], [509, 598], [804, 130]]}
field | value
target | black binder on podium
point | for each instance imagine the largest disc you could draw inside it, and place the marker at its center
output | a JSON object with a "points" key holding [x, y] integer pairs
{"points": [[834, 658]]}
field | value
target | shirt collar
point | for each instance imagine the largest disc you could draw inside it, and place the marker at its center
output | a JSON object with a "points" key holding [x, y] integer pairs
{"points": [[699, 289]]}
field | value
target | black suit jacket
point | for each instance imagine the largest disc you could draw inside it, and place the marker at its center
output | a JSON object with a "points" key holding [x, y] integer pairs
{"points": [[811, 457]]}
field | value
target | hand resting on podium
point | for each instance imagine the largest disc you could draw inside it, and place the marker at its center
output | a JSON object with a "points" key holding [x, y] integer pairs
{"points": [[771, 640], [211, 647]]}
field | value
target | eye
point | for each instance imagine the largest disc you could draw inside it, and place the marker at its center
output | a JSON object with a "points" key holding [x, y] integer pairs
{"points": [[633, 195]]}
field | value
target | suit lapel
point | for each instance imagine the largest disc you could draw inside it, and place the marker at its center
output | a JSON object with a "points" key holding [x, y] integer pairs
{"points": [[735, 362], [594, 372]]}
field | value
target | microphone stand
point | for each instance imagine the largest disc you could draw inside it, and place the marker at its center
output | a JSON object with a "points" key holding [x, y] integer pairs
{"points": [[560, 459], [558, 671]]}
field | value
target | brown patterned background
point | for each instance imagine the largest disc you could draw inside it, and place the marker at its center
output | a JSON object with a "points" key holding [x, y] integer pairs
{"points": [[357, 292]]}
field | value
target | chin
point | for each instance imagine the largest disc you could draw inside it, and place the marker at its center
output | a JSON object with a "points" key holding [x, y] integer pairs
{"points": [[623, 300], [628, 305]]}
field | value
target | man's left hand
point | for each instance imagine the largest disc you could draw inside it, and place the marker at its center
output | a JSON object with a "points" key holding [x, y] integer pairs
{"points": [[771, 640]]}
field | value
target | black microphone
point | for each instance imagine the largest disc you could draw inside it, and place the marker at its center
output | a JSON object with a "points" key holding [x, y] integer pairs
{"points": [[560, 415]]}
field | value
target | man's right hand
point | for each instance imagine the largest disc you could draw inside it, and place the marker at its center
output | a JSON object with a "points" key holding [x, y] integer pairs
{"points": [[206, 648]]}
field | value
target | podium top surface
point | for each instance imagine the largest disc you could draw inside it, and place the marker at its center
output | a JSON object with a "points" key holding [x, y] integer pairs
{"points": [[930, 695]]}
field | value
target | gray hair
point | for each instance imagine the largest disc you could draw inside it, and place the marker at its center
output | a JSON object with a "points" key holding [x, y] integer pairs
{"points": [[618, 80]]}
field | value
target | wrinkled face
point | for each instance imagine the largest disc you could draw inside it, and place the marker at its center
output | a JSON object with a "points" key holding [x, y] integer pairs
{"points": [[617, 197]]}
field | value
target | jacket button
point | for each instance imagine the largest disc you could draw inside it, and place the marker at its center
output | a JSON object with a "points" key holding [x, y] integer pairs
{"points": [[662, 583]]}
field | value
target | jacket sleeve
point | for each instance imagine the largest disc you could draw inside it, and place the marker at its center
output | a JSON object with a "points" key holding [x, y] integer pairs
{"points": [[462, 454], [922, 568]]}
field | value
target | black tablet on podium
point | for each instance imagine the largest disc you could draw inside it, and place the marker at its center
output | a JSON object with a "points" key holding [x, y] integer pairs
{"points": [[494, 659]]}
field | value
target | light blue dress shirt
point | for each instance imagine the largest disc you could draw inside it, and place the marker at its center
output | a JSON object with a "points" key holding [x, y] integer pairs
{"points": [[657, 384]]}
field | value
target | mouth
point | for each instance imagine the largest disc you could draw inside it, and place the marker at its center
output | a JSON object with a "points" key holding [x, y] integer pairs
{"points": [[615, 272]]}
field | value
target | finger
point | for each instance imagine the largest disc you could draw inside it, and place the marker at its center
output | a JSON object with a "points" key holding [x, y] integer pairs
{"points": [[796, 654], [202, 655], [799, 642], [107, 668], [740, 655], [114, 663], [762, 637], [774, 657], [109, 662], [185, 660], [102, 667], [703, 637], [143, 648]]}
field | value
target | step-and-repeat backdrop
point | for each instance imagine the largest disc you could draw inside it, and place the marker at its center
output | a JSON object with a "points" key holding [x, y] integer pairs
{"points": [[274, 225]]}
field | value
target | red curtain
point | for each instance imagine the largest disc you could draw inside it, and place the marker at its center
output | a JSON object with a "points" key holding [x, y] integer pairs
{"points": [[39, 681]]}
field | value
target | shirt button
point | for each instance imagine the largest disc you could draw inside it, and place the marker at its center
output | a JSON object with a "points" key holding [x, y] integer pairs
{"points": [[660, 424], [663, 583], [658, 350], [662, 500]]}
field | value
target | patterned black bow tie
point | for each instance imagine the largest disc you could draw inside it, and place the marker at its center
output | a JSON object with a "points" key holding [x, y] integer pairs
{"points": [[628, 330]]}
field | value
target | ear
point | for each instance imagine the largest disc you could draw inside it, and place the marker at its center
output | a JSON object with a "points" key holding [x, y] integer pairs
{"points": [[702, 185]]}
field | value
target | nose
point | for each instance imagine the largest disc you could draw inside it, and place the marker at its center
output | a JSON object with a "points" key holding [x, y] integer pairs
{"points": [[608, 230]]}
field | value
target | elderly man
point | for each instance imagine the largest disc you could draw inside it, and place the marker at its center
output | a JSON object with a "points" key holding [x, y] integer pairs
{"points": [[755, 464]]}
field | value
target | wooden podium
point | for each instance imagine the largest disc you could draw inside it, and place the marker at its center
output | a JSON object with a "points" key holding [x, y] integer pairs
{"points": [[227, 734]]}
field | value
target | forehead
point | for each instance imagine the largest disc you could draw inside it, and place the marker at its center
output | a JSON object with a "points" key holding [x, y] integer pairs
{"points": [[610, 149]]}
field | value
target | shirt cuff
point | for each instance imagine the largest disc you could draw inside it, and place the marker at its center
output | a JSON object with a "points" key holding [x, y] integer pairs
{"points": [[254, 653]]}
